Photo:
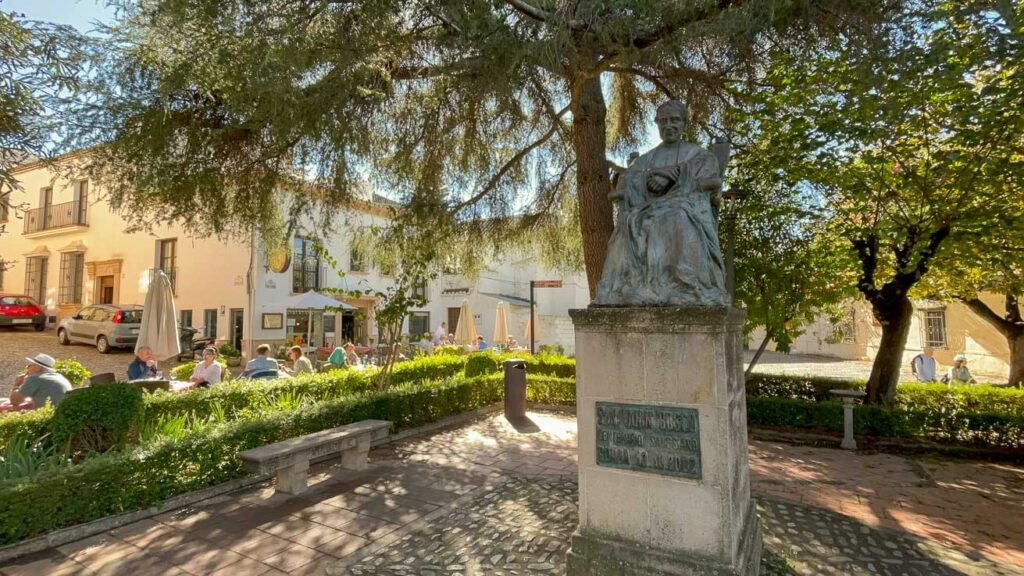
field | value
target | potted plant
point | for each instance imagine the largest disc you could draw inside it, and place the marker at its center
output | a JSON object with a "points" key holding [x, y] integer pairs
{"points": [[230, 354]]}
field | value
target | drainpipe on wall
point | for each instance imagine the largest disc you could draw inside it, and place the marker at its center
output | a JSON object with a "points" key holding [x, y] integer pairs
{"points": [[250, 291]]}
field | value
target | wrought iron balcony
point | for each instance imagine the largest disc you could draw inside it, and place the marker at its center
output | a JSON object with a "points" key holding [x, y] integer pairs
{"points": [[56, 216]]}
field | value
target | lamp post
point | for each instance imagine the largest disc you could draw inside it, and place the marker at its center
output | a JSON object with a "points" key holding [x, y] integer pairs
{"points": [[731, 200]]}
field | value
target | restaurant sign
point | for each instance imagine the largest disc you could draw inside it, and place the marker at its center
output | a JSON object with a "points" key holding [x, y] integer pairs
{"points": [[656, 439]]}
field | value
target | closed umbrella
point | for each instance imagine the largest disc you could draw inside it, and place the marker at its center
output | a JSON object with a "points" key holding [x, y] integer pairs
{"points": [[465, 331], [159, 329], [500, 325], [535, 324]]}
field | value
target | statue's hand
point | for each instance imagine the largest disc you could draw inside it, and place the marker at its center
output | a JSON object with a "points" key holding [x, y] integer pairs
{"points": [[658, 184]]}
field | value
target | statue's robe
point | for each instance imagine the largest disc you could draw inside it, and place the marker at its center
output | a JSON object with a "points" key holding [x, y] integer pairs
{"points": [[665, 248]]}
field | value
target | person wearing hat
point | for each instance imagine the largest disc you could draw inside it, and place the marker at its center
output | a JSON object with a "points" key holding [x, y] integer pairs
{"points": [[958, 372], [40, 382]]}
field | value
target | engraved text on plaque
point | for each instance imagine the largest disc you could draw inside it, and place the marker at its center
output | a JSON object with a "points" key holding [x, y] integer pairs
{"points": [[657, 439]]}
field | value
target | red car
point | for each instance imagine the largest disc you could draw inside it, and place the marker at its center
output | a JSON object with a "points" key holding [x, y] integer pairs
{"points": [[21, 310]]}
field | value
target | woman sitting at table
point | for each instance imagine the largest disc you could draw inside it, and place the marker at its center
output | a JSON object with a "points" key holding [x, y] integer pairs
{"points": [[300, 363], [208, 371]]}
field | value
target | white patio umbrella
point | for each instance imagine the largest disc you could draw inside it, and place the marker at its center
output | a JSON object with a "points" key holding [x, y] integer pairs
{"points": [[500, 325], [159, 329], [465, 331]]}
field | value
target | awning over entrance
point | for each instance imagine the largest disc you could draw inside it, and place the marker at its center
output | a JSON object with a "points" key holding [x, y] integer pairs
{"points": [[313, 300]]}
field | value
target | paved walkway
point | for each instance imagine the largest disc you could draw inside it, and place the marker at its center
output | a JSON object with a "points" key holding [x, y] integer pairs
{"points": [[488, 499], [814, 365]]}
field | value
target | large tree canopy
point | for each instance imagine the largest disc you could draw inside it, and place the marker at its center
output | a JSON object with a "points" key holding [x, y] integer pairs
{"points": [[912, 138], [469, 112]]}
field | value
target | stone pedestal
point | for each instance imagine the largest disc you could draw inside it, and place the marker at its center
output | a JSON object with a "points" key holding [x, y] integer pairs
{"points": [[663, 474]]}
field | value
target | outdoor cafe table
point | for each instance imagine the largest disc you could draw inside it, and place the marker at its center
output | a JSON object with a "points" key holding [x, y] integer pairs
{"points": [[174, 386]]}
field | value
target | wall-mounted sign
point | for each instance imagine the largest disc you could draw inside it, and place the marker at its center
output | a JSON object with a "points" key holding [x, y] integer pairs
{"points": [[655, 439], [270, 284], [279, 259], [273, 321]]}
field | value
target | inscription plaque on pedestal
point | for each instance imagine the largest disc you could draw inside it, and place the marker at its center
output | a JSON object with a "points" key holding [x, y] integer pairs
{"points": [[655, 439]]}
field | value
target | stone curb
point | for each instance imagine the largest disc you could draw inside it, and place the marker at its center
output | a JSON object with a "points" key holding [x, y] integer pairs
{"points": [[70, 534]]}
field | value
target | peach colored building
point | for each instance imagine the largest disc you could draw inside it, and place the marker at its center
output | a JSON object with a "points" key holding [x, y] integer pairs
{"points": [[67, 248]]}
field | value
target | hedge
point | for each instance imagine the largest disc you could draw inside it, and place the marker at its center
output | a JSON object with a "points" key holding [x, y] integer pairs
{"points": [[144, 476], [542, 365], [239, 394]]}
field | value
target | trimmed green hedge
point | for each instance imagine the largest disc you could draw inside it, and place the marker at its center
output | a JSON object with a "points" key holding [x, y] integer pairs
{"points": [[145, 476], [489, 362], [98, 418]]}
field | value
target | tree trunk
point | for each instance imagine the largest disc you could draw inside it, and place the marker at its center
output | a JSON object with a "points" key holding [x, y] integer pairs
{"points": [[757, 355], [592, 181], [1011, 327], [894, 312]]}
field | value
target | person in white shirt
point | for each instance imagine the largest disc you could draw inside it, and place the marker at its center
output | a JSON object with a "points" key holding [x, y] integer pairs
{"points": [[441, 334], [923, 366], [426, 343], [208, 371]]}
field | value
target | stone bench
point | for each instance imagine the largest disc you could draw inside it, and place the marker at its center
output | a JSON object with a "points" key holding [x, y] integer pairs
{"points": [[290, 458]]}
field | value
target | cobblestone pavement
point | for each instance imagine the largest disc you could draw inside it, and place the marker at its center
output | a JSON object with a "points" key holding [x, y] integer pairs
{"points": [[459, 498], [523, 526]]}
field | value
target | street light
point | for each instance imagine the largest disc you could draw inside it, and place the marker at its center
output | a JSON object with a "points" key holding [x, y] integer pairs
{"points": [[731, 200]]}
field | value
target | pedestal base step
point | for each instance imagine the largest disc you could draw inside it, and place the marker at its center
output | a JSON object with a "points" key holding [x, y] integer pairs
{"points": [[598, 556]]}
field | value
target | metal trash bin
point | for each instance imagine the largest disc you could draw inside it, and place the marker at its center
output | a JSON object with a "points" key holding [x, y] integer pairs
{"points": [[515, 390]]}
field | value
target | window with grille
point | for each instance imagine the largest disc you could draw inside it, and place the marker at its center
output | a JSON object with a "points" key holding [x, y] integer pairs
{"points": [[167, 260], [305, 265], [935, 328], [357, 261], [35, 278], [419, 290], [419, 323], [72, 267], [81, 201]]}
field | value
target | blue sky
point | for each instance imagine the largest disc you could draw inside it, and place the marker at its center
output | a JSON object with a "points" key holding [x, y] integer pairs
{"points": [[78, 13]]}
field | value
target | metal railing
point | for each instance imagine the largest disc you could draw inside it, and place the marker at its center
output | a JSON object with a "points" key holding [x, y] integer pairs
{"points": [[55, 216]]}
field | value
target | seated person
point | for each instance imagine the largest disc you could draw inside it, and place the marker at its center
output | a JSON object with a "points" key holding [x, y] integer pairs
{"points": [[262, 362], [207, 371], [481, 344], [510, 343], [958, 372], [300, 363], [426, 343], [143, 366], [451, 340], [351, 358], [40, 382]]}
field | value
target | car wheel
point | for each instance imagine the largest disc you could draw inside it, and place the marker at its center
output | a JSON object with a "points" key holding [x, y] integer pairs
{"points": [[102, 345], [40, 327], [62, 337]]}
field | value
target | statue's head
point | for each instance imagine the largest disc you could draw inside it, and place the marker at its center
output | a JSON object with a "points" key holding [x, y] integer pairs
{"points": [[671, 119]]}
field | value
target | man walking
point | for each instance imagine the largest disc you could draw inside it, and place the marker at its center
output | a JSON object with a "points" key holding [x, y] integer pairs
{"points": [[923, 366]]}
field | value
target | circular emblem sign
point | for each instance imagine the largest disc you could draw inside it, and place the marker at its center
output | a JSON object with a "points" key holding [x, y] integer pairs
{"points": [[279, 259]]}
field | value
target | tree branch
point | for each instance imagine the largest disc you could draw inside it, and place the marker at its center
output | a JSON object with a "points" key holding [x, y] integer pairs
{"points": [[1004, 326], [867, 253], [489, 187], [646, 76], [907, 279], [529, 10], [650, 37]]}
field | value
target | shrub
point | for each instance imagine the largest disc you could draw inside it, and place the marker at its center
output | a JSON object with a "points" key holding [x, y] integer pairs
{"points": [[32, 424], [24, 456], [98, 418], [551, 350], [146, 475], [549, 365], [73, 370], [551, 390], [482, 363], [427, 368], [452, 350], [798, 387], [227, 350]]}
